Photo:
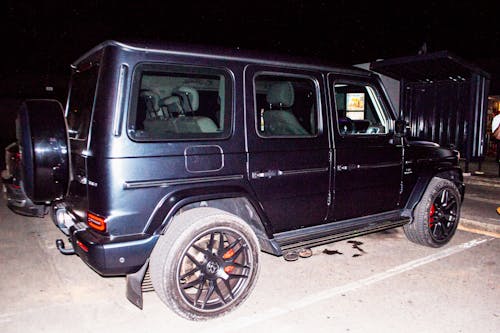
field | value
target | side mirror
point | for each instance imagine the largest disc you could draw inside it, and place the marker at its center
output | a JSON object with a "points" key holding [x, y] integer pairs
{"points": [[400, 128]]}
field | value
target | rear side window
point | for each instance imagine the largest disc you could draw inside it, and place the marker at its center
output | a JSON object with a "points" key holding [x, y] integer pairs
{"points": [[180, 103], [286, 106], [81, 102]]}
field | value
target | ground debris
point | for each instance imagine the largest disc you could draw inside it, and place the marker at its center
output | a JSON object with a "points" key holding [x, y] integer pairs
{"points": [[332, 252]]}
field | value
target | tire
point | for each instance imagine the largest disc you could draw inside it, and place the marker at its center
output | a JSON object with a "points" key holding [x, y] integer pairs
{"points": [[435, 218], [43, 143], [196, 277]]}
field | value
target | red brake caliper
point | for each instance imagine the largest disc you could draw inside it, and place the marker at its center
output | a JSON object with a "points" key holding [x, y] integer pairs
{"points": [[431, 215], [227, 255]]}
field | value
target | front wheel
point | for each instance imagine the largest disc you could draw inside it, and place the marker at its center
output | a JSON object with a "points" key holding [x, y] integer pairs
{"points": [[206, 264], [436, 216]]}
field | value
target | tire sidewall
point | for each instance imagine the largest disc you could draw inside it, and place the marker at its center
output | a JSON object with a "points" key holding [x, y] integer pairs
{"points": [[167, 257]]}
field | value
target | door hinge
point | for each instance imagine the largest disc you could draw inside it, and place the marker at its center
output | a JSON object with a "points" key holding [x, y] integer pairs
{"points": [[329, 199]]}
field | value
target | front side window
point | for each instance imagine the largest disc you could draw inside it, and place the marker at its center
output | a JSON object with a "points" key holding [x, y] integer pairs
{"points": [[81, 102], [359, 111], [180, 103], [285, 106]]}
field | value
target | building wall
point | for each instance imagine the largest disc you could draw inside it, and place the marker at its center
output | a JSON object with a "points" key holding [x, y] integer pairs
{"points": [[391, 86]]}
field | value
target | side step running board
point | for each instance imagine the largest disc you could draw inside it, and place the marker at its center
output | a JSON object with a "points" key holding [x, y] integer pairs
{"points": [[331, 233]]}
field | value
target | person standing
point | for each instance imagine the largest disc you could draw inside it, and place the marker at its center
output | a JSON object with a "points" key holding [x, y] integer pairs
{"points": [[495, 131], [495, 126]]}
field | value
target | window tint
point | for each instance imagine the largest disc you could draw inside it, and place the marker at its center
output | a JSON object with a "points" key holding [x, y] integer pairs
{"points": [[285, 106], [178, 103], [359, 110], [81, 101]]}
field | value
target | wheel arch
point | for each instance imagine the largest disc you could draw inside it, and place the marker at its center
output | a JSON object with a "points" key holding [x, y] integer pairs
{"points": [[453, 174], [232, 199]]}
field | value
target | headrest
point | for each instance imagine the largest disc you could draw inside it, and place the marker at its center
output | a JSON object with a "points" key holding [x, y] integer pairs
{"points": [[281, 93], [149, 96], [189, 97], [173, 104]]}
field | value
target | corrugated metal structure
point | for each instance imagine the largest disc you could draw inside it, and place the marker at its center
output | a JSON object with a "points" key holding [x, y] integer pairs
{"points": [[444, 99]]}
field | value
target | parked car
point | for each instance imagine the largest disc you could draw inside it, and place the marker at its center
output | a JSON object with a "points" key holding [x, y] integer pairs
{"points": [[190, 162], [17, 200]]}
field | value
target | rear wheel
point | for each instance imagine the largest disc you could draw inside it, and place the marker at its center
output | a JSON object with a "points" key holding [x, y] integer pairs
{"points": [[436, 216], [206, 264]]}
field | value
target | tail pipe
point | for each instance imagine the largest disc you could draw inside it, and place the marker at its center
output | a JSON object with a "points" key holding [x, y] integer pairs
{"points": [[60, 246]]}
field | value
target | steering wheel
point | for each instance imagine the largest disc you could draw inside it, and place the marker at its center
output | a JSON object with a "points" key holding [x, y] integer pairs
{"points": [[346, 125]]}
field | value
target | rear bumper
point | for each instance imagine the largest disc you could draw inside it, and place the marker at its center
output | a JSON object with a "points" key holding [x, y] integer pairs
{"points": [[106, 255], [112, 257]]}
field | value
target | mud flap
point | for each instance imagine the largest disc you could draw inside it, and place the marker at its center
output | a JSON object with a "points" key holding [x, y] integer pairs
{"points": [[134, 285]]}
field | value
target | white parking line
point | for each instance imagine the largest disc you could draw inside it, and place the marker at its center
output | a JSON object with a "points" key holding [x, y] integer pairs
{"points": [[288, 307]]}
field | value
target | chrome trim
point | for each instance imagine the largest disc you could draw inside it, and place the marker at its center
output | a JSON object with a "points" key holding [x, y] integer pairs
{"points": [[304, 171], [352, 167], [379, 165], [128, 185], [119, 100], [278, 173]]}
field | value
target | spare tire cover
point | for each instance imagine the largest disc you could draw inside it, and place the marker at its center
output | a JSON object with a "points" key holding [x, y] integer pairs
{"points": [[42, 136]]}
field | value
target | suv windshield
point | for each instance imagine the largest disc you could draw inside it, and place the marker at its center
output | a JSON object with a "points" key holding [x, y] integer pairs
{"points": [[81, 101]]}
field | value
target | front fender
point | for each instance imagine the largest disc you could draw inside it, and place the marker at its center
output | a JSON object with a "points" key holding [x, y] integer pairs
{"points": [[453, 174]]}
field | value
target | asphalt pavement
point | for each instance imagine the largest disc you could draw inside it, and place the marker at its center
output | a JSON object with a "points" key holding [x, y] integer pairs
{"points": [[482, 198], [387, 284]]}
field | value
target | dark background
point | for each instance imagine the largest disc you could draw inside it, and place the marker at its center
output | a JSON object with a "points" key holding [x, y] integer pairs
{"points": [[41, 39]]}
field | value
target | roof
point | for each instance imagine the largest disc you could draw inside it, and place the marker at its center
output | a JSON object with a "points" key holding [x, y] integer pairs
{"points": [[430, 67], [222, 53]]}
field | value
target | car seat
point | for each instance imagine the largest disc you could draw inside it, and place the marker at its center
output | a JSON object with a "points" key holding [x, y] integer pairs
{"points": [[188, 122], [280, 120]]}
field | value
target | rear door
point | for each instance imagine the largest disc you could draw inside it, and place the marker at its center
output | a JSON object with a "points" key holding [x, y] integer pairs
{"points": [[368, 165], [288, 149]]}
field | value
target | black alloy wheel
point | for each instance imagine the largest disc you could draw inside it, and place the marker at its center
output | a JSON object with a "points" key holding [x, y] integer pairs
{"points": [[443, 215], [214, 269]]}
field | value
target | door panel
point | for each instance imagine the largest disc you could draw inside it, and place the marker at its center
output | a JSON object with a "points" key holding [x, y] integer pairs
{"points": [[288, 150], [368, 165], [367, 177]]}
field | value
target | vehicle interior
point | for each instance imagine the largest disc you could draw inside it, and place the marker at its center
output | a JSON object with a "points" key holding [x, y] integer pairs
{"points": [[179, 105], [358, 110], [285, 106]]}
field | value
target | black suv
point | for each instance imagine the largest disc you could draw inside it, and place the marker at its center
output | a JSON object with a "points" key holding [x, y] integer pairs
{"points": [[188, 162]]}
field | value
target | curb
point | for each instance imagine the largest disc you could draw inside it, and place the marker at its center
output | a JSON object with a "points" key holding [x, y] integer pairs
{"points": [[479, 227]]}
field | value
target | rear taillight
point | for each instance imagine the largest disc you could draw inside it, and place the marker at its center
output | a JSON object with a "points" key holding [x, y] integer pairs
{"points": [[96, 222], [82, 246]]}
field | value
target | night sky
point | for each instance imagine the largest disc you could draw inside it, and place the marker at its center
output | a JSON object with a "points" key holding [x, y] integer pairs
{"points": [[44, 37]]}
